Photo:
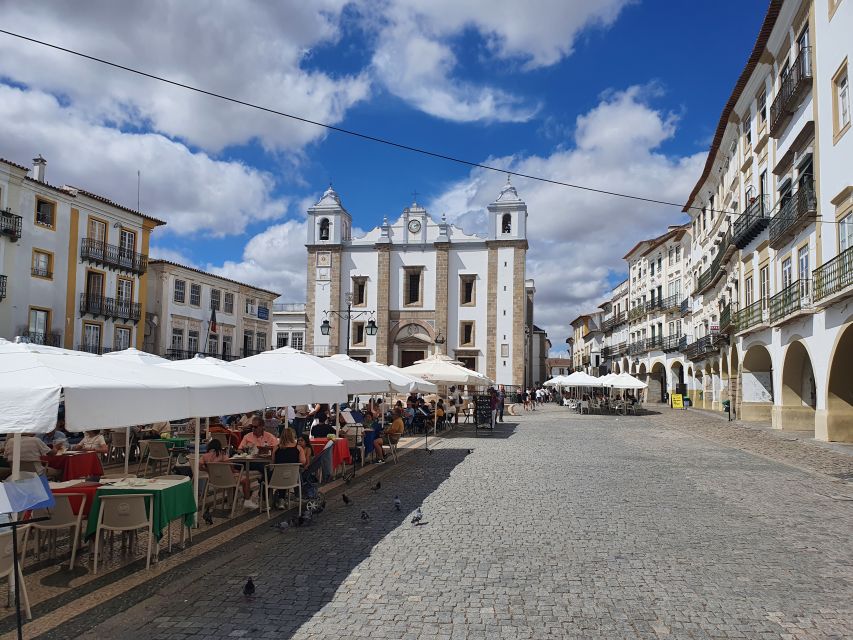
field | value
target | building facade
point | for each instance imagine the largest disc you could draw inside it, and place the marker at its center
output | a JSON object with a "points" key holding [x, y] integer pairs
{"points": [[767, 255], [74, 264], [289, 324], [429, 286], [183, 303], [558, 367], [588, 342]]}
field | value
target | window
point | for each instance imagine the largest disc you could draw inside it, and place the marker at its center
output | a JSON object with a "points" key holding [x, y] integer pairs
{"points": [[45, 213], [466, 334], [764, 286], [803, 263], [177, 339], [213, 344], [127, 247], [748, 293], [192, 340], [215, 298], [195, 295], [324, 229], [124, 291], [281, 340], [358, 333], [180, 291], [469, 362], [747, 133], [226, 347], [671, 256], [261, 341], [91, 337], [841, 101], [845, 233], [359, 291], [297, 340], [248, 342], [652, 269], [229, 302], [42, 264], [786, 273], [660, 263], [506, 223], [762, 108], [413, 286], [97, 234], [467, 290], [39, 325], [121, 339], [677, 254], [762, 184]]}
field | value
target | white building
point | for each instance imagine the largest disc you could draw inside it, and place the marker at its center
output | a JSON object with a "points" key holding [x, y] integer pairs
{"points": [[289, 323], [428, 285], [181, 303], [74, 264]]}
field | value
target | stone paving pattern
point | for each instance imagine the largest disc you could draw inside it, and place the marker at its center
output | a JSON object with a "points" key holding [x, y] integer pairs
{"points": [[561, 526]]}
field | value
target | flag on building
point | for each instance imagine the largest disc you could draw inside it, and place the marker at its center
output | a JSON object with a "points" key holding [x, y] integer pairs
{"points": [[212, 328]]}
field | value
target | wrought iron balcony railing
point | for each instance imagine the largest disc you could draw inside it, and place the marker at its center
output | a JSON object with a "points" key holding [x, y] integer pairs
{"points": [[655, 343], [637, 312], [186, 354], [112, 256], [725, 317], [833, 276], [41, 272], [10, 225], [704, 346], [792, 88], [794, 212], [49, 339], [116, 308], [685, 306], [753, 315], [97, 349], [636, 347], [614, 321], [671, 343], [749, 224], [712, 274], [797, 296], [3, 280]]}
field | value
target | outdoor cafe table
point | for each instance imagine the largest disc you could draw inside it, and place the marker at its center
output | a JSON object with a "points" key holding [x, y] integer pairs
{"points": [[88, 488], [173, 499], [171, 443], [340, 450], [75, 464]]}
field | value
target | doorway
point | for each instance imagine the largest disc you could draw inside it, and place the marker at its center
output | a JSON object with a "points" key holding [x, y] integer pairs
{"points": [[409, 357]]}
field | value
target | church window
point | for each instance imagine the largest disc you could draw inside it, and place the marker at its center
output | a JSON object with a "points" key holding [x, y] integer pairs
{"points": [[466, 334], [358, 333], [413, 286], [506, 223], [467, 290], [359, 291], [324, 229]]}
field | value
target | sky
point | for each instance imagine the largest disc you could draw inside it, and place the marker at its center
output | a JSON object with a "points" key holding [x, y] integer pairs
{"points": [[622, 95]]}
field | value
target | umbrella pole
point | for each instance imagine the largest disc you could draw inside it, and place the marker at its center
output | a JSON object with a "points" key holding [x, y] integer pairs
{"points": [[195, 461], [126, 452]]}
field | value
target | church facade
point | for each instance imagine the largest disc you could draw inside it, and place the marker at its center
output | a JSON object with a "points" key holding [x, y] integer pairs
{"points": [[428, 286]]}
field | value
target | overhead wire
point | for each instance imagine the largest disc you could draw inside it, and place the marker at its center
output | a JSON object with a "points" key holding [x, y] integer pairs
{"points": [[365, 136]]}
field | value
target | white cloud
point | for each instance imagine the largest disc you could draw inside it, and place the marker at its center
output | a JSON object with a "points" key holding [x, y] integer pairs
{"points": [[253, 50], [414, 56], [193, 192], [577, 238]]}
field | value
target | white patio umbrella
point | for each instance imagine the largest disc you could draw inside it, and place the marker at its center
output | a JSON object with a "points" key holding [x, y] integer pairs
{"points": [[627, 381], [441, 369], [137, 356], [403, 382], [291, 377], [581, 379]]}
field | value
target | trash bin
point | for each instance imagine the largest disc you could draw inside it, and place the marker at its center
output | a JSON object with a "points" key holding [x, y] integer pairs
{"points": [[687, 402]]}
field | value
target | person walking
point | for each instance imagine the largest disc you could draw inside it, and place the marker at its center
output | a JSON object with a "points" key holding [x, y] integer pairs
{"points": [[501, 402], [493, 404]]}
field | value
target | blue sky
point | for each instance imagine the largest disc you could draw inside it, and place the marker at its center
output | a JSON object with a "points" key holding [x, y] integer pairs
{"points": [[620, 94]]}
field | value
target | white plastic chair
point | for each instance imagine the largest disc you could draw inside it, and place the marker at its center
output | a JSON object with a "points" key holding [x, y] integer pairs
{"points": [[583, 405], [283, 477], [126, 512], [158, 453], [7, 565], [220, 477], [392, 440], [118, 445], [61, 516]]}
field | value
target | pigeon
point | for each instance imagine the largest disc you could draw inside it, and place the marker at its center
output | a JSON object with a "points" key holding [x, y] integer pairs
{"points": [[364, 516], [397, 504], [416, 519], [470, 451], [377, 486], [207, 517], [346, 499], [249, 588], [282, 526]]}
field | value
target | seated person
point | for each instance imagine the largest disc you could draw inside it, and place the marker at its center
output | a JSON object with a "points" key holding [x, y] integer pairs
{"points": [[322, 430], [304, 445], [92, 441], [55, 439], [439, 409], [32, 449], [287, 451], [214, 453], [395, 430], [271, 422], [258, 438]]}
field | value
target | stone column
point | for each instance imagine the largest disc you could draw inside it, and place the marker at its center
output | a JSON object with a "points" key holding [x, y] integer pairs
{"points": [[337, 331], [518, 296], [442, 258], [383, 293]]}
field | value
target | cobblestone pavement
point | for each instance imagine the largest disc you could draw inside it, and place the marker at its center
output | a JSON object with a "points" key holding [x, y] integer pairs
{"points": [[558, 527]]}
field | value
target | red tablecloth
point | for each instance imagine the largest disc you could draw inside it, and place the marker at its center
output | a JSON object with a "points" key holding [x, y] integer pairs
{"points": [[89, 488], [340, 451], [76, 465]]}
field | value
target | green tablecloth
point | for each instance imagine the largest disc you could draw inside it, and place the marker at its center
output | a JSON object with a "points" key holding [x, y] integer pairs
{"points": [[171, 443], [170, 503]]}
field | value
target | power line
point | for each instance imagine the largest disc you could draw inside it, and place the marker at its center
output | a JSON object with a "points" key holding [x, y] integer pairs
{"points": [[365, 136]]}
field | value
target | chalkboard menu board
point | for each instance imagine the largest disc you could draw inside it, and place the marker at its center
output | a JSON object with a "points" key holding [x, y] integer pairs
{"points": [[483, 411]]}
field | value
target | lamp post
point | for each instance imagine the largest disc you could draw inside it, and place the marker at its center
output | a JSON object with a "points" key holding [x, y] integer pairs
{"points": [[326, 327], [439, 340]]}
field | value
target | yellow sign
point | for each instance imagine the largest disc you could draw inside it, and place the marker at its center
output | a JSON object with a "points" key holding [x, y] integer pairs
{"points": [[677, 401]]}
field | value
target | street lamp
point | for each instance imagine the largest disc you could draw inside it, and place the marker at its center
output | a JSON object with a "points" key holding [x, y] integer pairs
{"points": [[326, 327]]}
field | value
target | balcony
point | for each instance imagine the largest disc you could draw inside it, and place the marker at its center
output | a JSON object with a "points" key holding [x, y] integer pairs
{"points": [[615, 321], [792, 89], [705, 346], [712, 274], [834, 276], [794, 213], [96, 349], [109, 307], [748, 225], [288, 307], [726, 318], [794, 298], [3, 287], [109, 255], [685, 307], [10, 225], [637, 312], [671, 343], [752, 316], [636, 348], [50, 339], [655, 343]]}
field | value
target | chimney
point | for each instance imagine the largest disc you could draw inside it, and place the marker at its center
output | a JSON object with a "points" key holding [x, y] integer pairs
{"points": [[39, 168]]}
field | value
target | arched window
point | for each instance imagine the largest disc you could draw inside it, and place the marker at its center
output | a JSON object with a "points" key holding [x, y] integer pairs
{"points": [[506, 223], [324, 229]]}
